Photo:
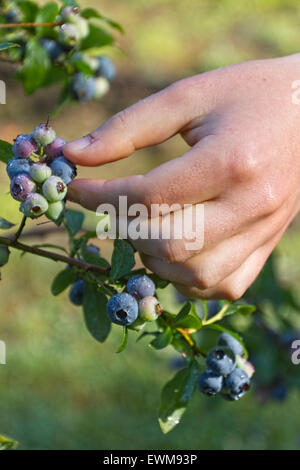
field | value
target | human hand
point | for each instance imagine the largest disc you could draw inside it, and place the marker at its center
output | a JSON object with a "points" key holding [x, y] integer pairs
{"points": [[244, 165]]}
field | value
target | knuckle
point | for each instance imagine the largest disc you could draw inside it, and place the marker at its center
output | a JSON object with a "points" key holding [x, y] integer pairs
{"points": [[233, 291], [272, 198], [171, 252], [245, 164], [204, 278]]}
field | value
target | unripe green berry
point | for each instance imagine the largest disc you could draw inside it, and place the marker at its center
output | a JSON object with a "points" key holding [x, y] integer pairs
{"points": [[69, 34], [44, 134], [149, 308], [55, 209], [34, 205], [54, 189], [101, 87], [82, 26], [40, 172]]}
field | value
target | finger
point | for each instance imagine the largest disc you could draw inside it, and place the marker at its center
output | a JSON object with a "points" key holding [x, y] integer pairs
{"points": [[211, 266], [148, 122], [235, 285], [199, 175]]}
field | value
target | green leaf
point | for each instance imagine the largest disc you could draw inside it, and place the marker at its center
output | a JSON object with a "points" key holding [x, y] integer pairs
{"points": [[188, 318], [95, 316], [47, 14], [4, 255], [35, 66], [89, 13], [163, 339], [124, 340], [94, 258], [73, 221], [7, 443], [176, 395], [6, 152], [8, 45], [63, 280], [97, 37], [5, 224], [70, 3], [29, 10], [220, 328], [122, 260]]}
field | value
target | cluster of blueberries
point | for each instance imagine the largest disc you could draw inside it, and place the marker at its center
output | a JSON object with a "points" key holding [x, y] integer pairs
{"points": [[135, 307], [39, 173], [222, 373], [100, 69]]}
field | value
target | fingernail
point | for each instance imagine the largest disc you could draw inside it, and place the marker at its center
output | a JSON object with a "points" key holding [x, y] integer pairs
{"points": [[78, 145]]}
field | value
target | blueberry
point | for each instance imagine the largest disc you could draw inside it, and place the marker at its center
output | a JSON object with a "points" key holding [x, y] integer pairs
{"points": [[54, 149], [149, 308], [141, 286], [76, 292], [34, 205], [81, 24], [101, 87], [54, 189], [21, 186], [92, 249], [279, 391], [44, 134], [16, 166], [68, 13], [237, 383], [225, 339], [24, 145], [40, 172], [221, 360], [82, 87], [55, 210], [210, 383], [64, 169], [13, 16], [91, 62], [122, 309], [106, 68], [52, 47], [69, 34]]}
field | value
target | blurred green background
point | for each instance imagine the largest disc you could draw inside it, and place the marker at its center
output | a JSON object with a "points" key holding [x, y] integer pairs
{"points": [[62, 390]]}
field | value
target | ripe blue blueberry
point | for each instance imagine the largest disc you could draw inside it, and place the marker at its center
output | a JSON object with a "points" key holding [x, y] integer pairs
{"points": [[21, 186], [149, 308], [44, 134], [40, 172], [69, 34], [34, 205], [92, 249], [141, 286], [13, 16], [83, 87], [24, 145], [64, 169], [210, 383], [122, 309], [54, 149], [101, 87], [221, 360], [76, 292], [16, 166], [54, 189], [106, 68], [237, 383], [52, 47], [225, 339], [55, 210]]}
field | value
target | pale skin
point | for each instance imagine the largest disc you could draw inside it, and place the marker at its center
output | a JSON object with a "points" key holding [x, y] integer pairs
{"points": [[244, 163]]}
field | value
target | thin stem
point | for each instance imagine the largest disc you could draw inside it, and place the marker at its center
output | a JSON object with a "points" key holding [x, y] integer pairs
{"points": [[30, 25], [54, 256], [196, 351], [216, 317], [20, 229]]}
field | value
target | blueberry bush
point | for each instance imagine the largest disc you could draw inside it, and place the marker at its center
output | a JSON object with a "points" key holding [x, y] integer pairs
{"points": [[62, 43]]}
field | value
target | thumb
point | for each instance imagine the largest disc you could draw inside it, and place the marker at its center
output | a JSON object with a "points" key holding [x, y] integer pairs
{"points": [[148, 122]]}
